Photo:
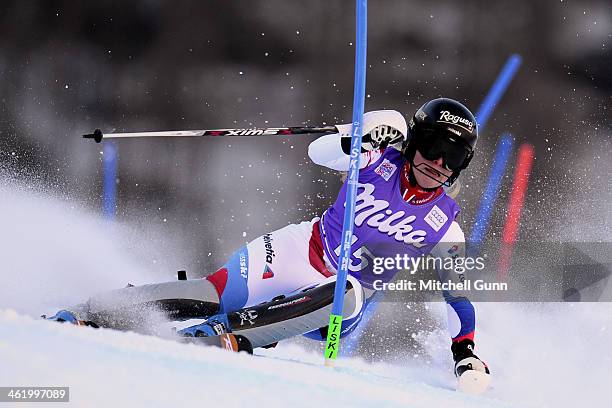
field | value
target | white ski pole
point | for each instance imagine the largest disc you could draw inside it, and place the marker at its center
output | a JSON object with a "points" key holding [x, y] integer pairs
{"points": [[98, 136]]}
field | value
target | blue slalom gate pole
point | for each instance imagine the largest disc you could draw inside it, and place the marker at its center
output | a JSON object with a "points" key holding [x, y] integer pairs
{"points": [[484, 112], [504, 148], [497, 90], [335, 319], [109, 198]]}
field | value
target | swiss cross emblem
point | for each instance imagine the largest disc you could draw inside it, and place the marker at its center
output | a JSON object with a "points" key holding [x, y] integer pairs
{"points": [[386, 169]]}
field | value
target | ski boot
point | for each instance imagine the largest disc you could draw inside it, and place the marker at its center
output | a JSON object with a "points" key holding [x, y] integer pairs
{"points": [[67, 316], [213, 326]]}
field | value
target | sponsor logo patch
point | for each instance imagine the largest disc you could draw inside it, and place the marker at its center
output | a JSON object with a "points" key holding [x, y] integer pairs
{"points": [[267, 274], [375, 213], [447, 117], [247, 316], [436, 218], [455, 131], [290, 303], [386, 169], [244, 270], [228, 342], [267, 238], [453, 250]]}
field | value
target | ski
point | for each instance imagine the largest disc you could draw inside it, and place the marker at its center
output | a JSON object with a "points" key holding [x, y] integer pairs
{"points": [[227, 341]]}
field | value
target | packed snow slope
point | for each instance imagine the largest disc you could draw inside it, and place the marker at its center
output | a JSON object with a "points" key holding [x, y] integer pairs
{"points": [[540, 364], [56, 254], [105, 368]]}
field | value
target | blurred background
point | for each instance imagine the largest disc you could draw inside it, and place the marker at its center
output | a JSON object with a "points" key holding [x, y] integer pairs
{"points": [[67, 67]]}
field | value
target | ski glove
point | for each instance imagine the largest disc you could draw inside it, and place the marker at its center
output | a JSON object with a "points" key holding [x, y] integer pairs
{"points": [[465, 359], [380, 129]]}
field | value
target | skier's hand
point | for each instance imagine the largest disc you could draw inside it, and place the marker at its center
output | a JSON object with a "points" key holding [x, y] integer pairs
{"points": [[378, 139], [381, 128], [381, 137]]}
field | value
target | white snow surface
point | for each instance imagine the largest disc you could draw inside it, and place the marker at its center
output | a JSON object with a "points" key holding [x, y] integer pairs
{"points": [[55, 254], [105, 368]]}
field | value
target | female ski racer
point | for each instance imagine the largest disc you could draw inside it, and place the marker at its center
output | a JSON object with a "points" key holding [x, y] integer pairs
{"points": [[281, 284]]}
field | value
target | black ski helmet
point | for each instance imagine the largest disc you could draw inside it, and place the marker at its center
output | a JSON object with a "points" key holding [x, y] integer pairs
{"points": [[446, 128]]}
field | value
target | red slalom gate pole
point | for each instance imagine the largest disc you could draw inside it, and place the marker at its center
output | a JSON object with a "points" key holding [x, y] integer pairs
{"points": [[522, 171]]}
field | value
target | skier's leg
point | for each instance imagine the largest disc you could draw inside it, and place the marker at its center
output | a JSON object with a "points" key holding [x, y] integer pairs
{"points": [[142, 307], [280, 266], [302, 312], [349, 324], [138, 306], [273, 265]]}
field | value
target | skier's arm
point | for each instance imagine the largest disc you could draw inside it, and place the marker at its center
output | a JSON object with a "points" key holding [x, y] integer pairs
{"points": [[327, 151], [460, 311], [381, 129]]}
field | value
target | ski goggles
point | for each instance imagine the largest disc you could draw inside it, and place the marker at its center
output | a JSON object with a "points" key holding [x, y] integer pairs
{"points": [[432, 145]]}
